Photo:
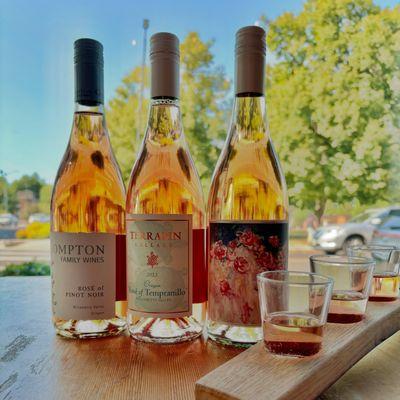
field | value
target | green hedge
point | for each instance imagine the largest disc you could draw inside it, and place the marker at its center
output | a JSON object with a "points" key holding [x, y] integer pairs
{"points": [[26, 269], [297, 234]]}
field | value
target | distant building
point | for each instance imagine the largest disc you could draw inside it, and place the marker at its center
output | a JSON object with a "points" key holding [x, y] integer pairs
{"points": [[27, 203], [337, 219]]}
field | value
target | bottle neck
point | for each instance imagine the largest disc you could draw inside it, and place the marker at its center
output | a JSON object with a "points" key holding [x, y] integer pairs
{"points": [[89, 123], [249, 118], [164, 124], [95, 109]]}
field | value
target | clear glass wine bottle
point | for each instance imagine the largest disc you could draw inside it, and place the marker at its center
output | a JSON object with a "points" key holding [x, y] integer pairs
{"points": [[88, 216], [247, 205], [167, 275]]}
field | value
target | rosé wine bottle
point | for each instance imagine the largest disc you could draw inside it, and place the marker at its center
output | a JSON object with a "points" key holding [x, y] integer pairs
{"points": [[247, 205], [166, 264], [87, 237]]}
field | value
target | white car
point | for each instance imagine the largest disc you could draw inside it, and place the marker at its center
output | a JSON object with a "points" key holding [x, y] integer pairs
{"points": [[357, 231], [8, 220]]}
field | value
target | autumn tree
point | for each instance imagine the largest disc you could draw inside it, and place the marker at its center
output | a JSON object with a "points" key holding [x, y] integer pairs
{"points": [[45, 198], [123, 121], [203, 103], [334, 101], [204, 108]]}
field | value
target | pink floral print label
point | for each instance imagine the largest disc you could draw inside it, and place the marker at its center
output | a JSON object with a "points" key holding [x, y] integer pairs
{"points": [[238, 252]]}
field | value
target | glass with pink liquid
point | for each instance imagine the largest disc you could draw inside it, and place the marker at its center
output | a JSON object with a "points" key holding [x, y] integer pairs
{"points": [[294, 307], [386, 279], [352, 281]]}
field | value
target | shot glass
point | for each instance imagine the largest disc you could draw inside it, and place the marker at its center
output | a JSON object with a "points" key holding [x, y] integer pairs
{"points": [[386, 280], [294, 307], [352, 281]]}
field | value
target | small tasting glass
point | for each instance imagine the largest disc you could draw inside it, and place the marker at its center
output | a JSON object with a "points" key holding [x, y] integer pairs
{"points": [[352, 281], [294, 307], [386, 280]]}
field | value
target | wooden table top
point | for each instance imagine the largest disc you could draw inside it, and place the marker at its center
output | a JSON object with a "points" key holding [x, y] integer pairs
{"points": [[36, 364]]}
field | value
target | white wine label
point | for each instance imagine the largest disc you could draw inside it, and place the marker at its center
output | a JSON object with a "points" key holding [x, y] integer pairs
{"points": [[159, 251], [83, 275], [239, 250]]}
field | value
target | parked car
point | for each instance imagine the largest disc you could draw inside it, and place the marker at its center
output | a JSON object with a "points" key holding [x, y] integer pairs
{"points": [[357, 231], [39, 217], [8, 221], [388, 232]]}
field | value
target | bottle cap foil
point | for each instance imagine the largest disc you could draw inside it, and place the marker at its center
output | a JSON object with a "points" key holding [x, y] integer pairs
{"points": [[250, 52], [164, 59]]}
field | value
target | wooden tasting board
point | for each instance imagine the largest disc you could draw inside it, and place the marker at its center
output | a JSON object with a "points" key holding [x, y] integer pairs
{"points": [[256, 374], [35, 364]]}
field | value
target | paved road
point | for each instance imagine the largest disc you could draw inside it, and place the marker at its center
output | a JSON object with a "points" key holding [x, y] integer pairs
{"points": [[38, 250], [299, 261], [16, 252]]}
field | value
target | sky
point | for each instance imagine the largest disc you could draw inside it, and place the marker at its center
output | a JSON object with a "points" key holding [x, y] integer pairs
{"points": [[36, 60]]}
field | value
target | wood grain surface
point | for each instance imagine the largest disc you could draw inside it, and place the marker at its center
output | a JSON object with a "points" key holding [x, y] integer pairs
{"points": [[36, 364], [256, 374]]}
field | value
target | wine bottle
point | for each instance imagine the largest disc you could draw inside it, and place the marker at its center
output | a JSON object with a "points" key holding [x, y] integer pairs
{"points": [[247, 205], [167, 276], [88, 215]]}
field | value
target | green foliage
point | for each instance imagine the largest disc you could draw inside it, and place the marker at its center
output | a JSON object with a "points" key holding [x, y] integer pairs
{"points": [[123, 122], [297, 216], [354, 208], [8, 198], [204, 108], [45, 198], [203, 94], [26, 269], [30, 182], [35, 230], [334, 101], [297, 234], [3, 189], [27, 182]]}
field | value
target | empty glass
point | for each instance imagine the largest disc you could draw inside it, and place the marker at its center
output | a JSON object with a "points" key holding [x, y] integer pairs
{"points": [[352, 280], [385, 282], [294, 307]]}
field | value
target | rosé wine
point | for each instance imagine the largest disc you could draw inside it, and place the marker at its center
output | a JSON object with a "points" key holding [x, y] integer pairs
{"points": [[247, 205], [167, 271]]}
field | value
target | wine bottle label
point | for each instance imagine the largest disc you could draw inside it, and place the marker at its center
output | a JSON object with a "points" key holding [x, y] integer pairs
{"points": [[159, 260], [238, 252], [83, 275]]}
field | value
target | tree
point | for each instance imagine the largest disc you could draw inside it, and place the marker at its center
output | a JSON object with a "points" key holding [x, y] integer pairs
{"points": [[4, 187], [204, 107], [122, 119], [28, 182], [334, 101], [203, 99], [45, 198]]}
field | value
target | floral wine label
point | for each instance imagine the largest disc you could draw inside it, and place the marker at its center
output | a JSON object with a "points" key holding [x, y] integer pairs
{"points": [[238, 252]]}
